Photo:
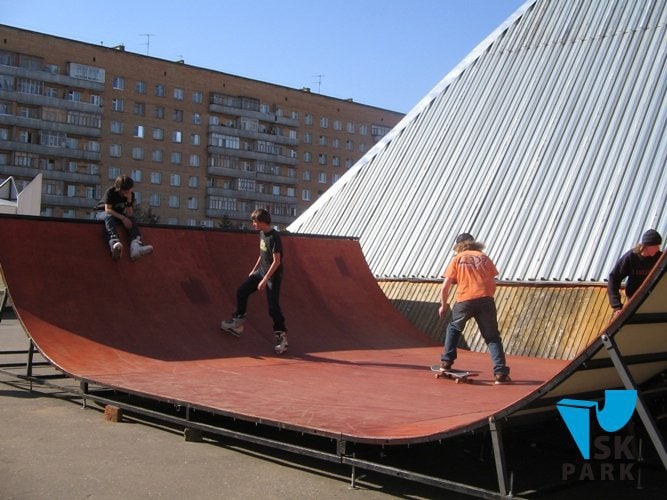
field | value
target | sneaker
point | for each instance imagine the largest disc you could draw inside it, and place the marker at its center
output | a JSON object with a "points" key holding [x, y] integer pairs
{"points": [[446, 365], [116, 249], [502, 378], [138, 249], [233, 325], [281, 342]]}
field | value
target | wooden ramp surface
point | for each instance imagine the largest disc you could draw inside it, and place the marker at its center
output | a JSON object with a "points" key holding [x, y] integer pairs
{"points": [[355, 368]]}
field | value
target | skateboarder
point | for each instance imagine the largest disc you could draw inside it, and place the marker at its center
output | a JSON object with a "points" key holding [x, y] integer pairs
{"points": [[634, 265], [118, 206], [266, 274], [474, 274]]}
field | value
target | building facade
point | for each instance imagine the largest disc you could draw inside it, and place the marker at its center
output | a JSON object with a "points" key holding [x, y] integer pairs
{"points": [[205, 148]]}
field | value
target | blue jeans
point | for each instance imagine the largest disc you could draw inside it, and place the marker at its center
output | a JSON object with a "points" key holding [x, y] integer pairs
{"points": [[484, 312], [111, 223], [249, 286]]}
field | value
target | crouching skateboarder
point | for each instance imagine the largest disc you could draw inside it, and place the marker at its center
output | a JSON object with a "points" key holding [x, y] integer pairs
{"points": [[266, 274], [117, 207]]}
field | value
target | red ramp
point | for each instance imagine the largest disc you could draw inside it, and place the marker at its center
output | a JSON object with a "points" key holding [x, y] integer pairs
{"points": [[356, 369]]}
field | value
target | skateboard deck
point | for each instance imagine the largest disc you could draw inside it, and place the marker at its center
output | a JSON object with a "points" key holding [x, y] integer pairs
{"points": [[459, 376]]}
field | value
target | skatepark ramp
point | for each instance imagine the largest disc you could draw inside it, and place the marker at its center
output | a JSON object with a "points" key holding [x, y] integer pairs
{"points": [[356, 372]]}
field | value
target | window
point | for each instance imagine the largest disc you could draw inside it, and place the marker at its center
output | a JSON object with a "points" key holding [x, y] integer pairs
{"points": [[154, 200], [195, 139], [118, 83], [197, 97], [137, 153], [115, 151], [117, 105], [113, 173], [192, 203], [338, 125], [175, 180], [363, 129], [176, 158], [156, 177], [140, 87], [196, 119], [275, 190], [305, 194], [174, 201], [194, 160], [178, 94], [116, 127], [324, 122], [158, 134], [139, 109], [322, 159], [139, 131], [307, 156], [136, 175], [160, 90], [323, 140], [157, 155], [308, 119], [158, 112], [322, 178], [307, 138], [177, 115], [193, 181], [177, 136], [350, 128]]}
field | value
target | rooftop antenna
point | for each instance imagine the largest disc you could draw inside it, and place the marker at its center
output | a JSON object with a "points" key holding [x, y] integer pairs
{"points": [[148, 41], [319, 82]]}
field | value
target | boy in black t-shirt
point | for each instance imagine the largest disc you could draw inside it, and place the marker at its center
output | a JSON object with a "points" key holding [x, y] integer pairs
{"points": [[634, 265], [117, 206], [266, 274]]}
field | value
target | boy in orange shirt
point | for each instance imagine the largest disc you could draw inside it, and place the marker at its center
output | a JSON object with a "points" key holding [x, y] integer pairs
{"points": [[474, 274]]}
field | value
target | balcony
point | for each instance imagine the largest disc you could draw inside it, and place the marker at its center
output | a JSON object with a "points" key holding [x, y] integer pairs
{"points": [[248, 113], [63, 152], [253, 135], [252, 155], [54, 175], [235, 173], [38, 124], [45, 76]]}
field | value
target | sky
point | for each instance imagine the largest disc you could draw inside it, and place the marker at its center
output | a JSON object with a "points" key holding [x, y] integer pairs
{"points": [[383, 53]]}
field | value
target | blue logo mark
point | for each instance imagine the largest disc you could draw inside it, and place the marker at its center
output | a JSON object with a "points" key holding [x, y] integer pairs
{"points": [[619, 405]]}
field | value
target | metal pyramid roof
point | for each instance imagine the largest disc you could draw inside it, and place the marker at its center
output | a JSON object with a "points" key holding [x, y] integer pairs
{"points": [[547, 143]]}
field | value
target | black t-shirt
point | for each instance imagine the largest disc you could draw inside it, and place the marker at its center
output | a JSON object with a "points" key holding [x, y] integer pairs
{"points": [[117, 201], [269, 243], [635, 268]]}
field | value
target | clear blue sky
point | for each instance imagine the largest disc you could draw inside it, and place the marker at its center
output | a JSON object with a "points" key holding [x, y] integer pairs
{"points": [[385, 53]]}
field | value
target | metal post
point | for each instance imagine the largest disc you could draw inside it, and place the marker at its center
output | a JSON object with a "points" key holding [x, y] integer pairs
{"points": [[642, 410], [499, 453]]}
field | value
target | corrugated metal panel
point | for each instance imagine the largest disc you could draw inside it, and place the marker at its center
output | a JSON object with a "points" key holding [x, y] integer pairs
{"points": [[548, 143], [546, 321]]}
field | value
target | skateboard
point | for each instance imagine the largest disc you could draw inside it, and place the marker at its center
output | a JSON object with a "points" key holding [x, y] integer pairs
{"points": [[459, 376]]}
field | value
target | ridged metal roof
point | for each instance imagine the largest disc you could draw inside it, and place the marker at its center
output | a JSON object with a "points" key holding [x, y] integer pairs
{"points": [[548, 143]]}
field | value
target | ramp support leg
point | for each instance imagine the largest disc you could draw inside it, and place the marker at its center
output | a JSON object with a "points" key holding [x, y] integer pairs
{"points": [[642, 410], [3, 303], [499, 454]]}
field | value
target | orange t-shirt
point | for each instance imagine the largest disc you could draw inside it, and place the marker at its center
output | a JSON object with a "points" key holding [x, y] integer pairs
{"points": [[474, 273]]}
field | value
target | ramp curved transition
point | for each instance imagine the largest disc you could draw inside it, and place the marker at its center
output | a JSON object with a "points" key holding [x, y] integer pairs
{"points": [[356, 369]]}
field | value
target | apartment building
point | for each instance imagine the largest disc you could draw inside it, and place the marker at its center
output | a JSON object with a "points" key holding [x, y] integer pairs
{"points": [[205, 148]]}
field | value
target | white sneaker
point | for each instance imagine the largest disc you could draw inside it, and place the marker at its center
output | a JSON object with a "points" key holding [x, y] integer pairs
{"points": [[281, 342], [116, 249], [233, 325], [138, 249]]}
